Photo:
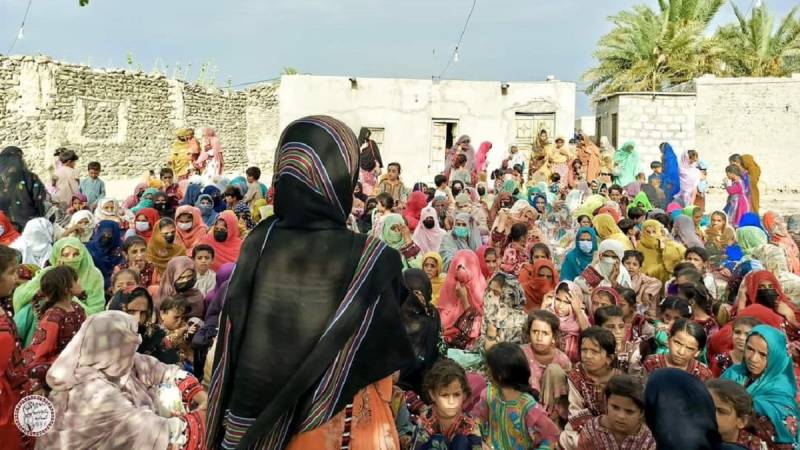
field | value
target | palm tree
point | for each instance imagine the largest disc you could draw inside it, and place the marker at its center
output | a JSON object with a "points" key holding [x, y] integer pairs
{"points": [[648, 50], [751, 48]]}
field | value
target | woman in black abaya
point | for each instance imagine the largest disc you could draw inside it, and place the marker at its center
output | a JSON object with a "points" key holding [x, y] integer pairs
{"points": [[311, 330]]}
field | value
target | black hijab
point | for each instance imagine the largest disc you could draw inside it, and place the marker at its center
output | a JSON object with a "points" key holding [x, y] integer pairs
{"points": [[168, 211], [152, 335], [22, 194], [422, 325], [680, 412], [312, 311]]}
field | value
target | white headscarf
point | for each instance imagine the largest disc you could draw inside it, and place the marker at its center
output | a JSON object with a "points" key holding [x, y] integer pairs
{"points": [[605, 269], [84, 235], [428, 240], [35, 242]]}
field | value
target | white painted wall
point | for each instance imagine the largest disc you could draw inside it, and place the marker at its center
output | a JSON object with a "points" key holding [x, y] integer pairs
{"points": [[405, 108], [586, 124]]}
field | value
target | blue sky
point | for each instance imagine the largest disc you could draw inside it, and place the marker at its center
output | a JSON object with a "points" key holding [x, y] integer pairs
{"points": [[253, 40]]}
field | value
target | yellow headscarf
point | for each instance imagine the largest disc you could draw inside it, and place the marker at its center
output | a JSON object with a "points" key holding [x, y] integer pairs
{"points": [[658, 263], [607, 229], [437, 281], [179, 154]]}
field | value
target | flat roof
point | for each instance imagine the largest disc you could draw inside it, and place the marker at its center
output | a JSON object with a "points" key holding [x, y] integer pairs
{"points": [[654, 94]]}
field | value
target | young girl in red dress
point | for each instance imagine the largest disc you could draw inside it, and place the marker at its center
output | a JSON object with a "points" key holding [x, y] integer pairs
{"points": [[59, 320]]}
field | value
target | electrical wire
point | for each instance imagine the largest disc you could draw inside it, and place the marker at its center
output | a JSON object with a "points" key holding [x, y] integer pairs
{"points": [[22, 25], [460, 38]]}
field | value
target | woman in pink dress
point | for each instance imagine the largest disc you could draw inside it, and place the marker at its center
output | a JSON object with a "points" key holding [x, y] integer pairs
{"points": [[738, 203]]}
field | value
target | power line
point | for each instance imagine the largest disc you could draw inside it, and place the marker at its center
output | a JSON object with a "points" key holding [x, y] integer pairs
{"points": [[22, 25], [454, 56]]}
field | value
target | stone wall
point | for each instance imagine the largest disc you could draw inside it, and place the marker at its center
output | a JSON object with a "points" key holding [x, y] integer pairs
{"points": [[126, 120]]}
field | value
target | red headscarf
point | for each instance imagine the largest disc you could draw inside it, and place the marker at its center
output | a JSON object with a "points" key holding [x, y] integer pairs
{"points": [[199, 228], [753, 279], [464, 268], [152, 217], [487, 273], [228, 250], [10, 234], [722, 341], [416, 201], [535, 286]]}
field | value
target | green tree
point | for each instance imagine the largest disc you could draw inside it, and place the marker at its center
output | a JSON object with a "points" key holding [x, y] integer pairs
{"points": [[289, 71], [754, 48], [648, 50]]}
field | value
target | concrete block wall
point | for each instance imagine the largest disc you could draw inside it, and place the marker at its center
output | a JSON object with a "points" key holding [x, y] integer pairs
{"points": [[759, 116]]}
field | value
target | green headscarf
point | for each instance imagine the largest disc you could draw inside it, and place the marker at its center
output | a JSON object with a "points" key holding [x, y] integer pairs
{"points": [[89, 277], [392, 238], [751, 238], [144, 202], [641, 199], [626, 160]]}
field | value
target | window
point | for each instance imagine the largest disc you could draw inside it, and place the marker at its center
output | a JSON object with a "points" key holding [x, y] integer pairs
{"points": [[443, 135]]}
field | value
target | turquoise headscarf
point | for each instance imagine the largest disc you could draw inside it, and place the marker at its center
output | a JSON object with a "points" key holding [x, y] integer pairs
{"points": [[576, 261], [774, 391], [144, 202], [626, 159]]}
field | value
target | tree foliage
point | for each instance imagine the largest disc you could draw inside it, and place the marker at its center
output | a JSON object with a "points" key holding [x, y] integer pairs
{"points": [[648, 50], [753, 47]]}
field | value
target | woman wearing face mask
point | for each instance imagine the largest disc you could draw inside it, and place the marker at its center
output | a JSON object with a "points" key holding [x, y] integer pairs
{"points": [[579, 258], [164, 245], [179, 281], [143, 223], [206, 206], [465, 236], [225, 239], [162, 204], [106, 249], [69, 252], [428, 235], [461, 301], [146, 200], [768, 374], [190, 225], [609, 265]]}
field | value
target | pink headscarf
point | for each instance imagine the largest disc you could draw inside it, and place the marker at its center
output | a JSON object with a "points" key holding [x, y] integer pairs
{"points": [[199, 228], [464, 268], [428, 240], [483, 153], [213, 149]]}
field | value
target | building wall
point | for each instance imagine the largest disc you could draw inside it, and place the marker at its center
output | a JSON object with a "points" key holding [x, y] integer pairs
{"points": [[405, 109], [124, 119], [649, 120], [759, 116], [586, 124]]}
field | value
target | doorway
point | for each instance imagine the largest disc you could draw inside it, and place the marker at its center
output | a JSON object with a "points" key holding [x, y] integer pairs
{"points": [[443, 136]]}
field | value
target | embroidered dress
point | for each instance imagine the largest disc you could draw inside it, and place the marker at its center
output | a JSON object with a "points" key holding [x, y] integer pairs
{"points": [[465, 434], [695, 367], [14, 384], [56, 328], [595, 436], [514, 424]]}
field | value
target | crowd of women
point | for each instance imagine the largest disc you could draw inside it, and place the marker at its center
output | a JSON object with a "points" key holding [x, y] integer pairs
{"points": [[562, 300]]}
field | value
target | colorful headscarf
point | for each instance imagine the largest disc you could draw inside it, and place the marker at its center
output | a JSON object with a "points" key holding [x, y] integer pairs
{"points": [[428, 240], [670, 174], [106, 254], [750, 238], [626, 160], [576, 261], [199, 228], [158, 251], [8, 234], [228, 250], [144, 202], [773, 392]]}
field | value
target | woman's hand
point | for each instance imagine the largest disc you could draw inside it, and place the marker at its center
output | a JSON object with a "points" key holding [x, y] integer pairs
{"points": [[576, 303], [463, 295], [406, 233]]}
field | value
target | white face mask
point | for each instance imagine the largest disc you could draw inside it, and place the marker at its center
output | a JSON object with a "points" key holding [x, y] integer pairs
{"points": [[142, 226], [185, 226], [609, 260], [585, 246]]}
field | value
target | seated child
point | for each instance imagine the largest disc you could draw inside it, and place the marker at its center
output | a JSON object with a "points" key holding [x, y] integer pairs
{"points": [[623, 424], [179, 330], [203, 256]]}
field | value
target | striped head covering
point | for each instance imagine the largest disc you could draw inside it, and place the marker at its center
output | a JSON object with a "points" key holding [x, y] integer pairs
{"points": [[318, 156]]}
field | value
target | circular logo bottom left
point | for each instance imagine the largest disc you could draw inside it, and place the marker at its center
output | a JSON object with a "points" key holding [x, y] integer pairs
{"points": [[34, 415]]}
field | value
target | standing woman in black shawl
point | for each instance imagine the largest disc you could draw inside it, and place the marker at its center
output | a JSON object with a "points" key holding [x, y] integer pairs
{"points": [[423, 326], [311, 329], [22, 194]]}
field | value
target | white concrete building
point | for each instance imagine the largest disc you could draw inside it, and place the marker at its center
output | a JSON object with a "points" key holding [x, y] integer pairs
{"points": [[414, 121], [717, 117], [586, 125]]}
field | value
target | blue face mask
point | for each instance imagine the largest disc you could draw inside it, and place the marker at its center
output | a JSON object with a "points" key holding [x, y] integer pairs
{"points": [[461, 231], [585, 246]]}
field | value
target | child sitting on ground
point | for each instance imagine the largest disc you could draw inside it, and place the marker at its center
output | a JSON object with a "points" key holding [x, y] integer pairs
{"points": [[624, 421], [445, 424], [509, 414], [203, 256], [734, 410], [174, 315]]}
